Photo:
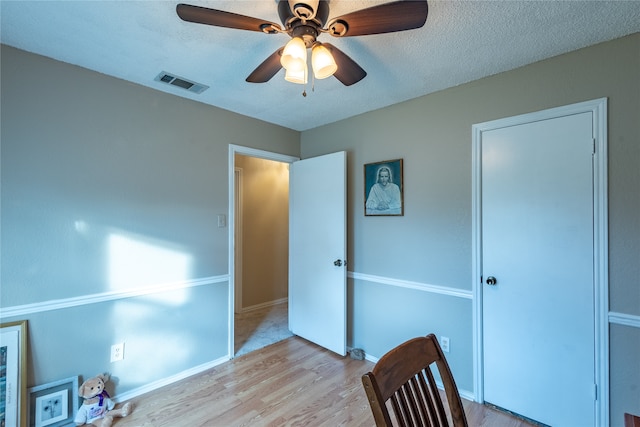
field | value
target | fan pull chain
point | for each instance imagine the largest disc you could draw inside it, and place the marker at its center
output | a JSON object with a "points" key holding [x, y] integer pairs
{"points": [[313, 86]]}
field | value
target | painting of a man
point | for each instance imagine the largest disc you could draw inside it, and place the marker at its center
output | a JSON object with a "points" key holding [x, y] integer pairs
{"points": [[383, 188]]}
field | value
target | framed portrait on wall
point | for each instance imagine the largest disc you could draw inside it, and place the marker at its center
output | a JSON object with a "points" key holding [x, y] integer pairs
{"points": [[383, 188]]}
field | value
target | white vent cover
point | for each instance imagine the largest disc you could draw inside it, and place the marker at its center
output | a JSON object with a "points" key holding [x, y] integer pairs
{"points": [[180, 82]]}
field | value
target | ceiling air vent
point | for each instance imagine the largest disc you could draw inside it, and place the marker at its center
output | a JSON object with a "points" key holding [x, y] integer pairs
{"points": [[180, 82]]}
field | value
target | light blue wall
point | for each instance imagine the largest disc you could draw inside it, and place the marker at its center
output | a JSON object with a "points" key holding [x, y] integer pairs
{"points": [[381, 316], [110, 188], [431, 244]]}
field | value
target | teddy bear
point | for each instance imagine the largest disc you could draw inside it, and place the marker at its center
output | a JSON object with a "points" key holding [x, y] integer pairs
{"points": [[97, 408]]}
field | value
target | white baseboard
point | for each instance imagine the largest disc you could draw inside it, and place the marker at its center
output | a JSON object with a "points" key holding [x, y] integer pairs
{"points": [[169, 380], [263, 305]]}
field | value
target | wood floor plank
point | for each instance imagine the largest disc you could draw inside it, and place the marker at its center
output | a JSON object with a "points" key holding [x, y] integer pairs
{"points": [[290, 383]]}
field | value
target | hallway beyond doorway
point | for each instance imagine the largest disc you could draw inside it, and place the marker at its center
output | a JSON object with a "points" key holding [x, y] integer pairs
{"points": [[258, 328]]}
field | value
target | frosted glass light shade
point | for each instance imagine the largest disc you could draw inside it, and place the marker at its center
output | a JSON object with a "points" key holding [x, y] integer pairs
{"points": [[322, 62], [296, 76], [296, 65], [294, 55]]}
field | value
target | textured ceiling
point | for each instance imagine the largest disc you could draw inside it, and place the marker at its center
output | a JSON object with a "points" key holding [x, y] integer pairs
{"points": [[460, 42]]}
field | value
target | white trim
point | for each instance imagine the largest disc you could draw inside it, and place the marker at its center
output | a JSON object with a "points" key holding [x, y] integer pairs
{"points": [[624, 319], [251, 152], [264, 305], [436, 289], [598, 108], [261, 154], [237, 230], [476, 263], [466, 394], [169, 380], [58, 304]]}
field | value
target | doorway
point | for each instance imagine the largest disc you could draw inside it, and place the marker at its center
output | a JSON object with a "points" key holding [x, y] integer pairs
{"points": [[258, 225], [540, 284]]}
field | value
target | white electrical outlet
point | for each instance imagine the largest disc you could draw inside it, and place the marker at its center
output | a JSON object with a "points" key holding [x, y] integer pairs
{"points": [[117, 352], [444, 343]]}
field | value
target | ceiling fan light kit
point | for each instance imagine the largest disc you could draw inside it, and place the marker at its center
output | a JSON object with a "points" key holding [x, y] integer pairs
{"points": [[294, 61], [304, 21]]}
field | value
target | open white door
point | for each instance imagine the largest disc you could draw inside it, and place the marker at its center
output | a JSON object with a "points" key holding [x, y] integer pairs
{"points": [[317, 249]]}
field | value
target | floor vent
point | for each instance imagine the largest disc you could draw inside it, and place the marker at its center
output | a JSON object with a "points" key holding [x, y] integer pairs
{"points": [[170, 79]]}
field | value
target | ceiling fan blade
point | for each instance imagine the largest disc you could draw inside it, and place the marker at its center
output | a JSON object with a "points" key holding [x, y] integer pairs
{"points": [[269, 68], [219, 18], [348, 71], [384, 18]]}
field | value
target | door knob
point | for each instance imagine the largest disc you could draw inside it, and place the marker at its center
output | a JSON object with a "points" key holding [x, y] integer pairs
{"points": [[491, 280], [338, 263]]}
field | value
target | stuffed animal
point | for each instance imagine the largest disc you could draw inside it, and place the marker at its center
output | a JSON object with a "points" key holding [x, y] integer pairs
{"points": [[98, 408]]}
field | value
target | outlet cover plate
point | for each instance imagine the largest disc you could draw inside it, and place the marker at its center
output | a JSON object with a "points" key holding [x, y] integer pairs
{"points": [[444, 343], [117, 352]]}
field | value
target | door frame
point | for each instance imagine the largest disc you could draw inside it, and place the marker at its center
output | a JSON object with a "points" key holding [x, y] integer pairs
{"points": [[598, 108], [251, 152], [237, 230]]}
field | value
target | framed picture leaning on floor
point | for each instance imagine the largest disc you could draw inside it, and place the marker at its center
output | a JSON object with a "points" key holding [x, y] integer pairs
{"points": [[13, 374], [54, 404]]}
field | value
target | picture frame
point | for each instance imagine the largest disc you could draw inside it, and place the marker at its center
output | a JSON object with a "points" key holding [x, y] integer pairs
{"points": [[384, 188], [13, 373], [54, 404]]}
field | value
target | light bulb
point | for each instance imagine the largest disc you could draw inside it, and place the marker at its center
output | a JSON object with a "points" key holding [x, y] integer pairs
{"points": [[294, 55], [322, 62]]}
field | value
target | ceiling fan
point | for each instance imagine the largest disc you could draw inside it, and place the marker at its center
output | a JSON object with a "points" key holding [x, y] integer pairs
{"points": [[304, 21]]}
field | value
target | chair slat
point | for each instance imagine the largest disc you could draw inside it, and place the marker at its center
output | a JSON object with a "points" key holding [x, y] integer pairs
{"points": [[433, 391], [427, 401]]}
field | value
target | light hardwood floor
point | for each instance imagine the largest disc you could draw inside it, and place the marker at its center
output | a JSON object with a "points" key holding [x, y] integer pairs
{"points": [[290, 383]]}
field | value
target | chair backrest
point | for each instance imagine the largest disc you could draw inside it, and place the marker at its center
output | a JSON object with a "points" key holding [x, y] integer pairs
{"points": [[631, 420], [402, 381]]}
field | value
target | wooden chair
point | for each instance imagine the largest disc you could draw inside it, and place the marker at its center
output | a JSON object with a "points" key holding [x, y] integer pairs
{"points": [[631, 420], [402, 379]]}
